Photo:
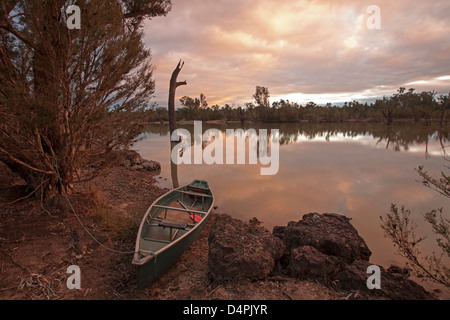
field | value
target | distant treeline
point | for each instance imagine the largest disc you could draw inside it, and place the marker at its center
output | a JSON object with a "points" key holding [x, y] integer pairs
{"points": [[425, 106]]}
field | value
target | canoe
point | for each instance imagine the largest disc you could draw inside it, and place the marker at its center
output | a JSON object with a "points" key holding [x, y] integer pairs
{"points": [[171, 224], [198, 186]]}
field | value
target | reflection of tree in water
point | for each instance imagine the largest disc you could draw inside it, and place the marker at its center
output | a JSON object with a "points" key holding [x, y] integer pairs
{"points": [[173, 168], [400, 136], [161, 130]]}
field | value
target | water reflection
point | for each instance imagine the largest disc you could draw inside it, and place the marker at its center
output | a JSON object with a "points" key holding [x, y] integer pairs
{"points": [[173, 168], [355, 169], [398, 137]]}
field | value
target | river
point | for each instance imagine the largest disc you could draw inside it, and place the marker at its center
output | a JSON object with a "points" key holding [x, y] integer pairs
{"points": [[354, 169]]}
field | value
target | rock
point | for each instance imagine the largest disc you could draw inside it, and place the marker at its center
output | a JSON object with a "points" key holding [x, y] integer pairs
{"points": [[354, 277], [123, 161], [150, 165], [240, 250], [329, 233], [134, 158], [399, 271], [307, 262]]}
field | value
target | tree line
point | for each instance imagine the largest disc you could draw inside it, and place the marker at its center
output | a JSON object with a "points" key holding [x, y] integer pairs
{"points": [[424, 106]]}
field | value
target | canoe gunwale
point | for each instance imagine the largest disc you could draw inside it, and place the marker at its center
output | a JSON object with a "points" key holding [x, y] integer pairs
{"points": [[142, 261]]}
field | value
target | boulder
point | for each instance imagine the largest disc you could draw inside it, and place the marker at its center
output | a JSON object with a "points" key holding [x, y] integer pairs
{"points": [[308, 263], [134, 158], [392, 286], [150, 165], [331, 234], [134, 161], [399, 271], [240, 250]]}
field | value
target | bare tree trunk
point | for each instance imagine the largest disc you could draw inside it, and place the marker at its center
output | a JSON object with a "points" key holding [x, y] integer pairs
{"points": [[173, 87]]}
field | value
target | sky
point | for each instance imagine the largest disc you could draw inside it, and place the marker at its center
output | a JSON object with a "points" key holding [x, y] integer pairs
{"points": [[302, 50]]}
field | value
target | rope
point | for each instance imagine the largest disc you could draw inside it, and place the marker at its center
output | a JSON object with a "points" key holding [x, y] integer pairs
{"points": [[79, 220], [150, 253]]}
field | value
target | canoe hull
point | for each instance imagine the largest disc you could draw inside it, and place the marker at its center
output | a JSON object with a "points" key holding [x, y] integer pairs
{"points": [[159, 243], [150, 271]]}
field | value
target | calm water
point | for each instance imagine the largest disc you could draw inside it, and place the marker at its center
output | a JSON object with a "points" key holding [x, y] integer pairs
{"points": [[353, 169]]}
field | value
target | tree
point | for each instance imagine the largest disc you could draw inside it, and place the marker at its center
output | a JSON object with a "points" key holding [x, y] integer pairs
{"points": [[194, 103], [202, 101], [398, 226], [262, 96], [189, 102], [444, 105], [161, 115], [241, 114], [391, 106], [174, 84], [387, 107], [68, 98]]}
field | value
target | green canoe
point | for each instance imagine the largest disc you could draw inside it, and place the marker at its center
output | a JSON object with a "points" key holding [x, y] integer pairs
{"points": [[169, 227]]}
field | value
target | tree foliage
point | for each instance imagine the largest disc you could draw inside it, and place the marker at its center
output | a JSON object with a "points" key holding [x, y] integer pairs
{"points": [[70, 99], [262, 96], [400, 228]]}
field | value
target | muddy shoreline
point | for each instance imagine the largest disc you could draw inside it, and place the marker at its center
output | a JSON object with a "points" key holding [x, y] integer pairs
{"points": [[39, 241]]}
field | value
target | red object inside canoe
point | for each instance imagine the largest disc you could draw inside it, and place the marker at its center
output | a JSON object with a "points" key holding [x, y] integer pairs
{"points": [[198, 218]]}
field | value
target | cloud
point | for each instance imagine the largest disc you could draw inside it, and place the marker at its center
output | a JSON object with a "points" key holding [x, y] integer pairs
{"points": [[300, 48]]}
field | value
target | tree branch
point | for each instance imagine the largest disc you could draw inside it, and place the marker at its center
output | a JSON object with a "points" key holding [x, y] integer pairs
{"points": [[184, 83], [24, 164], [10, 29]]}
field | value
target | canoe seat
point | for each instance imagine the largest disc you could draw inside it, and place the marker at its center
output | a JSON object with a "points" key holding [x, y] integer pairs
{"points": [[171, 213], [173, 224]]}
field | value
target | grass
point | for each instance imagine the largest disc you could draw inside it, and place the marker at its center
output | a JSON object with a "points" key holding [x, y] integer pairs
{"points": [[116, 220]]}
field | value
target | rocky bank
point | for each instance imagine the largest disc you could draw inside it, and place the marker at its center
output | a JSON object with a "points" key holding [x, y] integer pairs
{"points": [[324, 248]]}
